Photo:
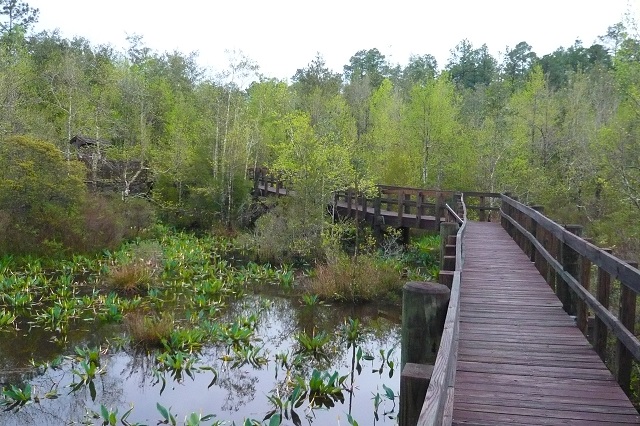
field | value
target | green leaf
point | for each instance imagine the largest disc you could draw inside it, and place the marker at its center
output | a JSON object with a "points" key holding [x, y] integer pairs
{"points": [[104, 412], [163, 411], [275, 420], [389, 392]]}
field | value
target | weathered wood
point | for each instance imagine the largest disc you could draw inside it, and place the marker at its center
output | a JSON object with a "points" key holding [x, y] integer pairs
{"points": [[446, 229], [438, 403], [414, 382], [603, 294], [601, 312], [615, 267], [627, 315], [569, 259], [585, 282], [520, 359], [424, 308]]}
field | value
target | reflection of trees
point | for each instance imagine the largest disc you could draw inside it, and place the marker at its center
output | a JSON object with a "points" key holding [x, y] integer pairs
{"points": [[240, 386], [130, 373]]}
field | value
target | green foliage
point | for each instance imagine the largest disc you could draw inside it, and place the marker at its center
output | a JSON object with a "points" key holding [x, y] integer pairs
{"points": [[41, 197]]}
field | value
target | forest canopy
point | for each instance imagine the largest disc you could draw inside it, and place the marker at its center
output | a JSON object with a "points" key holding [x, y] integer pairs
{"points": [[560, 130]]}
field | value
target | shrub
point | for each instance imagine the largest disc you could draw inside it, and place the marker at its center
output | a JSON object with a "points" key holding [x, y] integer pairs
{"points": [[41, 195], [285, 235], [364, 278]]}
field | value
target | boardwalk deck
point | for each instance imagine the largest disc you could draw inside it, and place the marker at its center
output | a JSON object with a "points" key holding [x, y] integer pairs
{"points": [[521, 359]]}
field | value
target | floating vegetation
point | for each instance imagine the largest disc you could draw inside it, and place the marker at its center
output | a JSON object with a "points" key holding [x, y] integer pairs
{"points": [[189, 325]]}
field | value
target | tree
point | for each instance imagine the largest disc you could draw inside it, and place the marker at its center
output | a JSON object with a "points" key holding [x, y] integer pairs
{"points": [[17, 14], [367, 63], [41, 197], [419, 70], [469, 67], [433, 135], [517, 63]]}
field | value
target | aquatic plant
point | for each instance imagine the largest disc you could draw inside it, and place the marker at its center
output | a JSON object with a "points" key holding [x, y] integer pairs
{"points": [[6, 318], [313, 345], [16, 397], [324, 389]]}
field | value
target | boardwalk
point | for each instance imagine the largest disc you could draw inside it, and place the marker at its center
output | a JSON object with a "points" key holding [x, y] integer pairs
{"points": [[521, 359]]}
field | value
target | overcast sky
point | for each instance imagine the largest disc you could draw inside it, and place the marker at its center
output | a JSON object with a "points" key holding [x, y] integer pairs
{"points": [[284, 35]]}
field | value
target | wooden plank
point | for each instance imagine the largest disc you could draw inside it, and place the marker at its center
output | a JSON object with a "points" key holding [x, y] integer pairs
{"points": [[521, 359]]}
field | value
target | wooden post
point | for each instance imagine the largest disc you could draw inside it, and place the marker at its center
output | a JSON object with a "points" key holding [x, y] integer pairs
{"points": [[585, 281], [414, 382], [569, 260], [424, 309], [407, 203], [349, 202], [400, 208], [378, 221], [533, 229], [553, 250], [363, 197], [627, 315], [419, 208], [438, 209], [483, 216], [603, 295]]}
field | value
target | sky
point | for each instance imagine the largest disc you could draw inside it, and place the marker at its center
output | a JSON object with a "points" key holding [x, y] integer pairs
{"points": [[284, 35]]}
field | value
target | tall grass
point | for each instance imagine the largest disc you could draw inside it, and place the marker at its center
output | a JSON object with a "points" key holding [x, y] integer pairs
{"points": [[364, 278]]}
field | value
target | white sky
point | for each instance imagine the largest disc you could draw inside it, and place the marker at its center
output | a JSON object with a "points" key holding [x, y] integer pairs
{"points": [[284, 35]]}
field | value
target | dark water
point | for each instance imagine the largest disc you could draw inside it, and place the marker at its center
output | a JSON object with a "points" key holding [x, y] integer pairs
{"points": [[239, 392]]}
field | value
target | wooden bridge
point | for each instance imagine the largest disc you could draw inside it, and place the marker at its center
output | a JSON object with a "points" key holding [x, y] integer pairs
{"points": [[539, 327]]}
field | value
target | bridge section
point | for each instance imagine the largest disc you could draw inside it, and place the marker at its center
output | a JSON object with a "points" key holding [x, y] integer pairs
{"points": [[521, 359]]}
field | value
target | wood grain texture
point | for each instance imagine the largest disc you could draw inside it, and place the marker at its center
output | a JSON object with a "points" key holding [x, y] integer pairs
{"points": [[521, 359]]}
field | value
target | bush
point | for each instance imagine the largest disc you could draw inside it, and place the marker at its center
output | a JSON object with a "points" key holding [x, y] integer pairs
{"points": [[41, 198], [285, 235], [364, 278]]}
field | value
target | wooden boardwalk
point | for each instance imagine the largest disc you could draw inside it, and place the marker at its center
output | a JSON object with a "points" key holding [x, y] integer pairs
{"points": [[521, 359]]}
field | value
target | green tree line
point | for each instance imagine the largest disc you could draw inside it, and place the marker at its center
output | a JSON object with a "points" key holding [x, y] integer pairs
{"points": [[560, 130]]}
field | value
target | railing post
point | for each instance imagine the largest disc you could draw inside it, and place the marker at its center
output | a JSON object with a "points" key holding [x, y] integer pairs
{"points": [[569, 260], [400, 208], [482, 215], [585, 281], [627, 315], [377, 218], [533, 229], [446, 229], [552, 277], [603, 294], [363, 197], [349, 202]]}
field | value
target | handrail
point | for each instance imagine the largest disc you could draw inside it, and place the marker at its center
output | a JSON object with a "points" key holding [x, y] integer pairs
{"points": [[438, 403], [454, 214], [628, 276]]}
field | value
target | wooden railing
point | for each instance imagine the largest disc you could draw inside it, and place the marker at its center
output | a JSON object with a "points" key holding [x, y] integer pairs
{"points": [[565, 260], [438, 404], [407, 206], [483, 206]]}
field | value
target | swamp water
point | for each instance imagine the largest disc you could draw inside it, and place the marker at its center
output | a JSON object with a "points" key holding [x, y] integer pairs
{"points": [[337, 383]]}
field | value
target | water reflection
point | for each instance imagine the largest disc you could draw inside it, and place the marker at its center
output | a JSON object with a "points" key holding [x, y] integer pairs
{"points": [[132, 377]]}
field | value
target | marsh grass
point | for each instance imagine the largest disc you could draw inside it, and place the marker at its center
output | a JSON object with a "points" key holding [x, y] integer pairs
{"points": [[138, 271], [360, 279], [149, 330]]}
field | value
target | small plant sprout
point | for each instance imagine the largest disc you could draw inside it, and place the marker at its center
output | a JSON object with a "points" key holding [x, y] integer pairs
{"points": [[16, 397]]}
